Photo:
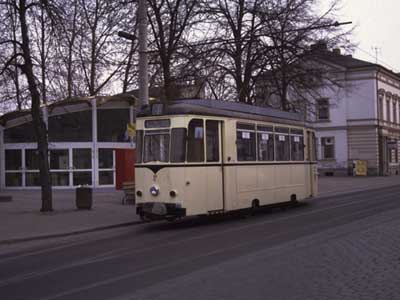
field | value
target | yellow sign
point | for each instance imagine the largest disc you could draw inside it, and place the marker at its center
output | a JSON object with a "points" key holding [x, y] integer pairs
{"points": [[361, 168], [131, 128]]}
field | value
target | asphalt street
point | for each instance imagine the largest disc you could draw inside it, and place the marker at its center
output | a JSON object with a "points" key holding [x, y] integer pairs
{"points": [[343, 247]]}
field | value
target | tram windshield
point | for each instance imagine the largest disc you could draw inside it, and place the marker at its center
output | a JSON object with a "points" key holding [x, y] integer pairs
{"points": [[156, 145]]}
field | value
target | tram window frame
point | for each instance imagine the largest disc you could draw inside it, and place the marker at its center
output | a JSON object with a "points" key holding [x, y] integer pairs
{"points": [[160, 132], [241, 129], [296, 144], [212, 149], [178, 142], [282, 135], [270, 145], [195, 145], [139, 145]]}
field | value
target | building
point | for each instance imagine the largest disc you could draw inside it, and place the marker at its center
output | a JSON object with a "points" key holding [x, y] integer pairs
{"points": [[88, 139], [360, 120]]}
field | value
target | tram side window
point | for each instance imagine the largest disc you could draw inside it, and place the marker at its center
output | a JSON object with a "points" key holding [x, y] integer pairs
{"points": [[265, 140], [282, 143], [178, 144], [195, 148], [212, 141], [245, 142], [139, 142], [156, 146], [297, 144]]}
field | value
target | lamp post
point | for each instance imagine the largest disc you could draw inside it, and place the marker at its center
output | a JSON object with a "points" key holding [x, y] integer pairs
{"points": [[143, 60]]}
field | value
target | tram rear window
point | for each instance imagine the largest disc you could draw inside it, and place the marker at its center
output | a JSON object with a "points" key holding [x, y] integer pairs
{"points": [[164, 123], [139, 142]]}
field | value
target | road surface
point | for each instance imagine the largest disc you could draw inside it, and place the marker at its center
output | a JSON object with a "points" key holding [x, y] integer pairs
{"points": [[344, 247]]}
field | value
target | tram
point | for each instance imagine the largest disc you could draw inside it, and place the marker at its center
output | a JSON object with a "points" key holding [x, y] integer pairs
{"points": [[202, 157]]}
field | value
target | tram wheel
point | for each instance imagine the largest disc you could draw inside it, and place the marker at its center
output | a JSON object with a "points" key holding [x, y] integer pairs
{"points": [[144, 218], [255, 206]]}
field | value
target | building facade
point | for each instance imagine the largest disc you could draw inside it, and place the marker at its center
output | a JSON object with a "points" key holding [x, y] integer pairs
{"points": [[85, 137], [360, 119]]}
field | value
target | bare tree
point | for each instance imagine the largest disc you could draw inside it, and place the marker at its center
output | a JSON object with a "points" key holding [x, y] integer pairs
{"points": [[23, 9]]}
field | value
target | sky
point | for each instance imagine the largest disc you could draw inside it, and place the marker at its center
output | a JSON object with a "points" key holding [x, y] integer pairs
{"points": [[377, 26]]}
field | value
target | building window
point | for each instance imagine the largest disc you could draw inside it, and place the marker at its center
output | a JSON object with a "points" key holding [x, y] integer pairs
{"points": [[388, 110], [328, 148], [394, 111], [323, 109], [112, 125], [245, 142], [380, 108]]}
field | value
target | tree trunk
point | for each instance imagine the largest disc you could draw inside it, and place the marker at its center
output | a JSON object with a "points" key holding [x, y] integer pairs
{"points": [[40, 126]]}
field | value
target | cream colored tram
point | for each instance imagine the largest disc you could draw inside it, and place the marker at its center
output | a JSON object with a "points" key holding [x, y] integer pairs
{"points": [[199, 157]]}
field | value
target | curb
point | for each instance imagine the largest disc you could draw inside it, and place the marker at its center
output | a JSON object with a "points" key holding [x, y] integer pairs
{"points": [[65, 234]]}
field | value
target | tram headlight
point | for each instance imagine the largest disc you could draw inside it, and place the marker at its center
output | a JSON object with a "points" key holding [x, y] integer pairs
{"points": [[173, 193], [154, 190], [139, 193]]}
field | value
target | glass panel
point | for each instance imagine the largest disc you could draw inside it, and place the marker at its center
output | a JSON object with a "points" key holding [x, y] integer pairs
{"points": [[59, 159], [71, 127], [32, 179], [157, 123], [106, 177], [156, 146], [60, 178], [13, 159], [82, 178], [246, 143], [297, 147], [112, 125], [82, 158], [323, 109], [106, 158], [139, 145], [212, 140], [282, 147], [31, 159], [178, 144], [13, 179], [24, 133], [265, 146], [195, 149]]}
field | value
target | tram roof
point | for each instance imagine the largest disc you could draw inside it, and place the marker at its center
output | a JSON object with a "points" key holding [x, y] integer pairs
{"points": [[225, 109]]}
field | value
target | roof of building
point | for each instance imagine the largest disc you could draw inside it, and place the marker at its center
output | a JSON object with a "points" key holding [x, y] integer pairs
{"points": [[100, 100]]}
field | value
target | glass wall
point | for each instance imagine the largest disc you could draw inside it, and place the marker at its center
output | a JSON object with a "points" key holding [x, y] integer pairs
{"points": [[112, 125], [71, 127], [106, 166], [24, 133]]}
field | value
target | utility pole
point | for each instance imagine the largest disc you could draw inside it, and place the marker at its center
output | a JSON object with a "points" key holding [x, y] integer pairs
{"points": [[143, 60]]}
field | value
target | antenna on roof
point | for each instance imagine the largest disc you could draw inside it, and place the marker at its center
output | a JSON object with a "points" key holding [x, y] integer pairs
{"points": [[376, 50]]}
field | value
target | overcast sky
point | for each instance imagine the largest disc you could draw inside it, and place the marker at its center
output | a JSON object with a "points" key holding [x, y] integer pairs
{"points": [[378, 25]]}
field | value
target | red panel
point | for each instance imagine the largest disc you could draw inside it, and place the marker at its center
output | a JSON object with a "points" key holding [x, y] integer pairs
{"points": [[124, 166]]}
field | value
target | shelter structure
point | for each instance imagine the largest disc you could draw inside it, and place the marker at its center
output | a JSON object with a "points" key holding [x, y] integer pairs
{"points": [[88, 138]]}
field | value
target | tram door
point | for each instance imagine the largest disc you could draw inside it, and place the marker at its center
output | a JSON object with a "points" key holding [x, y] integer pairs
{"points": [[215, 176], [203, 175]]}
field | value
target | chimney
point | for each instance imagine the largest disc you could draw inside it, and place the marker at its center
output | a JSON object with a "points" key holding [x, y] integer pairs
{"points": [[336, 51], [319, 46]]}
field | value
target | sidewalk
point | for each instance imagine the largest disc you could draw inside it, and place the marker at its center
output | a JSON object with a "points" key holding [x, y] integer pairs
{"points": [[20, 219]]}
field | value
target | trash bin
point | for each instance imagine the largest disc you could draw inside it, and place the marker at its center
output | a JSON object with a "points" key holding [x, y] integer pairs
{"points": [[84, 199]]}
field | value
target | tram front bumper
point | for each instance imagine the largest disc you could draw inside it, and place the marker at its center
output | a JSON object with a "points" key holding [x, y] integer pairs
{"points": [[160, 210]]}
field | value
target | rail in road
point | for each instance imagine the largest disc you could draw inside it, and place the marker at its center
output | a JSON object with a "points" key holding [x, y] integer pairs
{"points": [[143, 256]]}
